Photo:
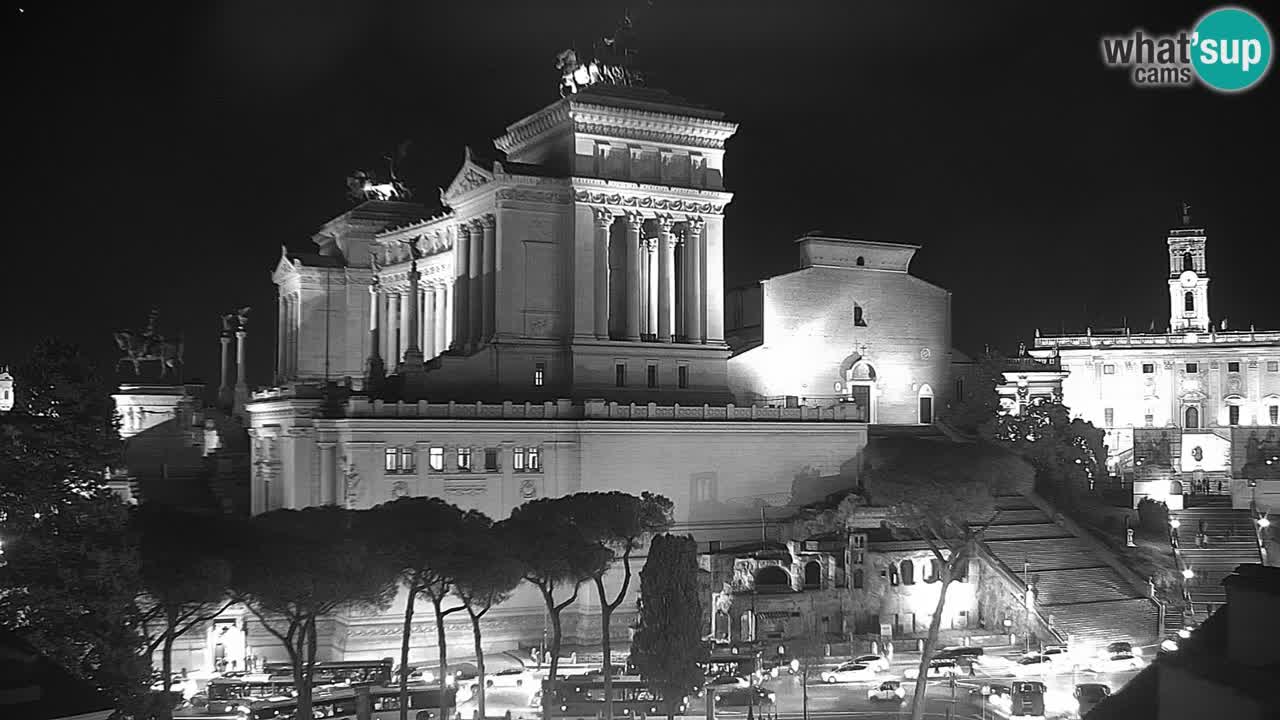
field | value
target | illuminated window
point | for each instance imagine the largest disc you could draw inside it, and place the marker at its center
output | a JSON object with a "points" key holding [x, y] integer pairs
{"points": [[407, 460], [391, 459], [525, 460], [539, 374], [1274, 413], [620, 375], [1110, 415], [517, 459], [651, 376], [1193, 368], [490, 459], [1189, 302], [1233, 367], [1108, 369], [893, 575], [858, 319], [535, 459], [464, 459], [398, 460], [1233, 414], [1188, 262], [1148, 368], [1273, 366], [435, 459], [682, 376], [1149, 420]]}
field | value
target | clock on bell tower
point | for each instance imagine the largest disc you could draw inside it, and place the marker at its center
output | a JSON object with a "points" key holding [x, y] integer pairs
{"points": [[1188, 278]]}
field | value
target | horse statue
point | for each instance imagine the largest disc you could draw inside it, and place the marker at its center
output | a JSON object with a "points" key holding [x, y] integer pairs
{"points": [[363, 185], [144, 347]]}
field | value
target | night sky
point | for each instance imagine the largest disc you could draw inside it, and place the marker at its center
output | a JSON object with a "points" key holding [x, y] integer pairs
{"points": [[160, 155]]}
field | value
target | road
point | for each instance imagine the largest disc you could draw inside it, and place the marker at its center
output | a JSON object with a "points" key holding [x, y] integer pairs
{"points": [[849, 700]]}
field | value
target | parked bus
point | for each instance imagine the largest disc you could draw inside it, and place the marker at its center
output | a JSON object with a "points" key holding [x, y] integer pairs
{"points": [[632, 697], [231, 690], [721, 662], [1027, 699], [338, 703]]}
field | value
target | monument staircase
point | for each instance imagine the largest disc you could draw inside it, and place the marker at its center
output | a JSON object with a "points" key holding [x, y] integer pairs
{"points": [[1231, 540], [1083, 596]]}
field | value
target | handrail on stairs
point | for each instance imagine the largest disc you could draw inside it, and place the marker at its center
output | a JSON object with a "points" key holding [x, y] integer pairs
{"points": [[1008, 574]]}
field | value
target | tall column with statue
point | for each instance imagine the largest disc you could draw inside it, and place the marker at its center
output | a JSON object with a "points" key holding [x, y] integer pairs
{"points": [[241, 398]]}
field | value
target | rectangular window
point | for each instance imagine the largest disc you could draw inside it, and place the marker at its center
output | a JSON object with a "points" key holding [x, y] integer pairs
{"points": [[1110, 415], [464, 459], [407, 462], [517, 459], [651, 376], [535, 459], [1193, 368], [490, 459], [1233, 367], [1233, 414], [1273, 366], [436, 459], [620, 375], [1148, 368], [390, 460], [539, 374], [1274, 412], [1149, 420], [1108, 369], [682, 376]]}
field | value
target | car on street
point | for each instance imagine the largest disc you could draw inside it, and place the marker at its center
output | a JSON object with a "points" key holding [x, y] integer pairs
{"points": [[938, 668], [721, 682], [993, 663], [510, 678], [1034, 664], [848, 672], [961, 652], [1117, 648], [1088, 695], [889, 690], [1116, 663], [742, 697], [879, 663], [997, 696]]}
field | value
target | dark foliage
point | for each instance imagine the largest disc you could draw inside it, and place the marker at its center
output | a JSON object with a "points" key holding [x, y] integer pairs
{"points": [[668, 644]]}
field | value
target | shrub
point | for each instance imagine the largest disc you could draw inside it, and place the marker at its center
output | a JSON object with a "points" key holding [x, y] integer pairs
{"points": [[1153, 515]]}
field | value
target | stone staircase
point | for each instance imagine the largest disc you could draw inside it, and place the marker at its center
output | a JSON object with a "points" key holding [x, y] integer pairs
{"points": [[1231, 542], [1081, 595]]}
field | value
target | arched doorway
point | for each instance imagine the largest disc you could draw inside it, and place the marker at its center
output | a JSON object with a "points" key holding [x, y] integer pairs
{"points": [[925, 402], [772, 577], [860, 383], [812, 575], [1192, 418]]}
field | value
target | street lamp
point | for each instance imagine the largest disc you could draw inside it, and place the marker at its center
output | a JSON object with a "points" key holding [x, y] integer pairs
{"points": [[1175, 523], [1264, 522], [1187, 574]]}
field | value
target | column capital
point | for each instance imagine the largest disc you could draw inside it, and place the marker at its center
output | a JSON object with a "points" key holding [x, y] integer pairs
{"points": [[604, 217], [665, 223], [694, 223], [634, 221], [464, 228], [488, 221]]}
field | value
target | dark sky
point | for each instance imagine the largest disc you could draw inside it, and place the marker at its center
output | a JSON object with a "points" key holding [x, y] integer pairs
{"points": [[160, 155]]}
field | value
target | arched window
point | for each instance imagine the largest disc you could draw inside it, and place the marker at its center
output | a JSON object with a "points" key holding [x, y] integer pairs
{"points": [[858, 319], [933, 571], [908, 573], [1175, 487], [772, 577], [1189, 302], [1193, 418], [925, 404], [893, 574], [861, 261], [1188, 261], [812, 574], [858, 579]]}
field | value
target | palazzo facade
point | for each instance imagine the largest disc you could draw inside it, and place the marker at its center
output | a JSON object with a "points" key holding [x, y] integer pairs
{"points": [[1197, 406]]}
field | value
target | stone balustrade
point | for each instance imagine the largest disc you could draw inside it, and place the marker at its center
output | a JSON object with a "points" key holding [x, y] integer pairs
{"points": [[564, 409], [1156, 340]]}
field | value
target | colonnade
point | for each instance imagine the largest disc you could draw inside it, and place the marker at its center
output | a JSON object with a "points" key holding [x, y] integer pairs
{"points": [[390, 313], [663, 273]]}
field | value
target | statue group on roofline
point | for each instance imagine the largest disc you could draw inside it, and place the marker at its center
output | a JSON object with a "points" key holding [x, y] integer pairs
{"points": [[611, 64], [148, 345], [365, 185]]}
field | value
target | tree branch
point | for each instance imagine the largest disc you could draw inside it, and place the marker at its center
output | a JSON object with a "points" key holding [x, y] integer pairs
{"points": [[626, 579], [205, 618], [570, 601]]}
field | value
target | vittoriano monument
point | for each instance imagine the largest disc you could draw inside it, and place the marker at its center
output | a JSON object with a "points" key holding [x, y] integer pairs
{"points": [[147, 345]]}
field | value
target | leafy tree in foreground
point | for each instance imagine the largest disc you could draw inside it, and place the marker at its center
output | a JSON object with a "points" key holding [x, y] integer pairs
{"points": [[319, 564], [1067, 454], [943, 493], [420, 537], [184, 577], [487, 576], [668, 645], [618, 523]]}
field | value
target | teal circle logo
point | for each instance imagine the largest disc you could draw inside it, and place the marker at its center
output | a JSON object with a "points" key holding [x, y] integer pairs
{"points": [[1231, 49]]}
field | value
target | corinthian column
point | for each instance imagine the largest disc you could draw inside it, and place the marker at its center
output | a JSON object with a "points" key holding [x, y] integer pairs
{"points": [[461, 288], [646, 328], [412, 350], [666, 279], [490, 279], [393, 327], [475, 303], [695, 304], [633, 276], [282, 337], [604, 221], [429, 346], [376, 369]]}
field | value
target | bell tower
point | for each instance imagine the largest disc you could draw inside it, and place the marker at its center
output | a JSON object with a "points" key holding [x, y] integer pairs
{"points": [[1188, 278]]}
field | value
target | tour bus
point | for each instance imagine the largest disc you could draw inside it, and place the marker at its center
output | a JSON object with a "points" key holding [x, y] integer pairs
{"points": [[632, 698], [227, 692], [721, 662], [338, 703], [1027, 699]]}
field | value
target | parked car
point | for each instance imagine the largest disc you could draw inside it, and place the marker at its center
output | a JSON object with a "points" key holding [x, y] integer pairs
{"points": [[1034, 664], [938, 668], [510, 677], [849, 672], [998, 696], [1116, 663], [1088, 695], [728, 681], [1117, 648], [878, 663], [888, 690], [959, 652], [993, 663]]}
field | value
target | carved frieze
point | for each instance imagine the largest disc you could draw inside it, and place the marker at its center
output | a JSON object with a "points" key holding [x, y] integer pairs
{"points": [[465, 487], [647, 202], [529, 195]]}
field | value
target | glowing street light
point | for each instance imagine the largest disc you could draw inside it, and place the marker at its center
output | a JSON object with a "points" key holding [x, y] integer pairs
{"points": [[1187, 574], [1264, 522], [1184, 633], [1175, 523]]}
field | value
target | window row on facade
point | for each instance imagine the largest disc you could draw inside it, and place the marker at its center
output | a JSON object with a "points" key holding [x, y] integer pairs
{"points": [[1193, 368], [403, 460]]}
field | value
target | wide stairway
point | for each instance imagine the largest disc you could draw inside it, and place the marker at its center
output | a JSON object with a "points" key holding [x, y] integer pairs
{"points": [[1084, 597], [1231, 541]]}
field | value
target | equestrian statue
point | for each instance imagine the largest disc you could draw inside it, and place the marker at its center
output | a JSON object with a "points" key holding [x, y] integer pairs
{"points": [[148, 345]]}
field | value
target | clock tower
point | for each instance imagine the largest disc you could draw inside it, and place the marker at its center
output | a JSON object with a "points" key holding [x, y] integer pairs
{"points": [[1188, 278]]}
